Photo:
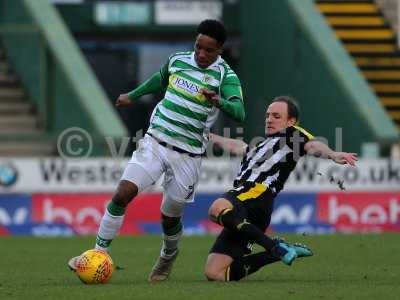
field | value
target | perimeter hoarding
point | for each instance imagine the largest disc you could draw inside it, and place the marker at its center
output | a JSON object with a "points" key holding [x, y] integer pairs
{"points": [[310, 213], [52, 196], [49, 175]]}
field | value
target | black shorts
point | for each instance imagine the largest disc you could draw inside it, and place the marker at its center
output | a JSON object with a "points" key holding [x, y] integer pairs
{"points": [[256, 211]]}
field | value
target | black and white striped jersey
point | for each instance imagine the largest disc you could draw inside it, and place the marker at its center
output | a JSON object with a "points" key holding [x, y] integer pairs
{"points": [[268, 164]]}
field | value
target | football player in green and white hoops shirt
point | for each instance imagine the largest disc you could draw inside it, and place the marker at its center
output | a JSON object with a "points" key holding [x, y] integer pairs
{"points": [[198, 85]]}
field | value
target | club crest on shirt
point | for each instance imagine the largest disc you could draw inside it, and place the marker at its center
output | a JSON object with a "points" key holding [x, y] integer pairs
{"points": [[206, 78]]}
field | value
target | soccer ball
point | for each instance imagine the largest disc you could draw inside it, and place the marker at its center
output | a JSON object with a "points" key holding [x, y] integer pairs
{"points": [[94, 266]]}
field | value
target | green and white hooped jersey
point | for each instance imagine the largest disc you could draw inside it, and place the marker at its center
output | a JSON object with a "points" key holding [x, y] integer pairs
{"points": [[183, 118]]}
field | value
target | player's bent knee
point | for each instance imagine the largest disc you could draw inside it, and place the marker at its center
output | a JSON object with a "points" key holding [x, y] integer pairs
{"points": [[214, 275], [209, 276], [172, 208], [216, 266], [125, 192], [217, 207]]}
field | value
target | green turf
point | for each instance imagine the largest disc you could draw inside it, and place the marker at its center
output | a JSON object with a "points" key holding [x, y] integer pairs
{"points": [[344, 267]]}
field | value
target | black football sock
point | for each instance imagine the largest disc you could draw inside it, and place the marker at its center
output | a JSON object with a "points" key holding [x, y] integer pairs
{"points": [[231, 221], [247, 265]]}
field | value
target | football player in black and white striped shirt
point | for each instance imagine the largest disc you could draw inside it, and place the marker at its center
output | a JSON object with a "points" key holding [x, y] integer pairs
{"points": [[245, 211]]}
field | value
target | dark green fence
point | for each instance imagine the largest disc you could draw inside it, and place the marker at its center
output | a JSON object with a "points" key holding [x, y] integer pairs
{"points": [[54, 73], [288, 49]]}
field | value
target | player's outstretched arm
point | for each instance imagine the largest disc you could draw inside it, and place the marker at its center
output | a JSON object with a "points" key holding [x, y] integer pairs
{"points": [[233, 146], [319, 149], [152, 85]]}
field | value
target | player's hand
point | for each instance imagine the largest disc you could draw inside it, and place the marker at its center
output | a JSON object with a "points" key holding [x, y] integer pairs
{"points": [[344, 158], [211, 96], [123, 101]]}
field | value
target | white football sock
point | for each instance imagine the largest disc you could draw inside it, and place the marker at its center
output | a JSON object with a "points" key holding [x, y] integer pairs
{"points": [[108, 230]]}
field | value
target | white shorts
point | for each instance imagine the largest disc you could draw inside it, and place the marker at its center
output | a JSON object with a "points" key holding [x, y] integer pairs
{"points": [[181, 174]]}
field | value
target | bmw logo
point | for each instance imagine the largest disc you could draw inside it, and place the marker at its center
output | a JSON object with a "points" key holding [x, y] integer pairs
{"points": [[8, 174]]}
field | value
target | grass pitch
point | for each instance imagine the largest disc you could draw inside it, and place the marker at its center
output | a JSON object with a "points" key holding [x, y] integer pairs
{"points": [[344, 267]]}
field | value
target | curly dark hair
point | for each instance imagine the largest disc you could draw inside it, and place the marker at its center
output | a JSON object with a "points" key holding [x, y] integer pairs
{"points": [[214, 29]]}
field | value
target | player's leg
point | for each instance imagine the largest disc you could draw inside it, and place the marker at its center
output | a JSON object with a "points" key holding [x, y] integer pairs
{"points": [[246, 265], [172, 227], [217, 267], [113, 216], [143, 170], [221, 267], [229, 213], [171, 223], [180, 181], [227, 261]]}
